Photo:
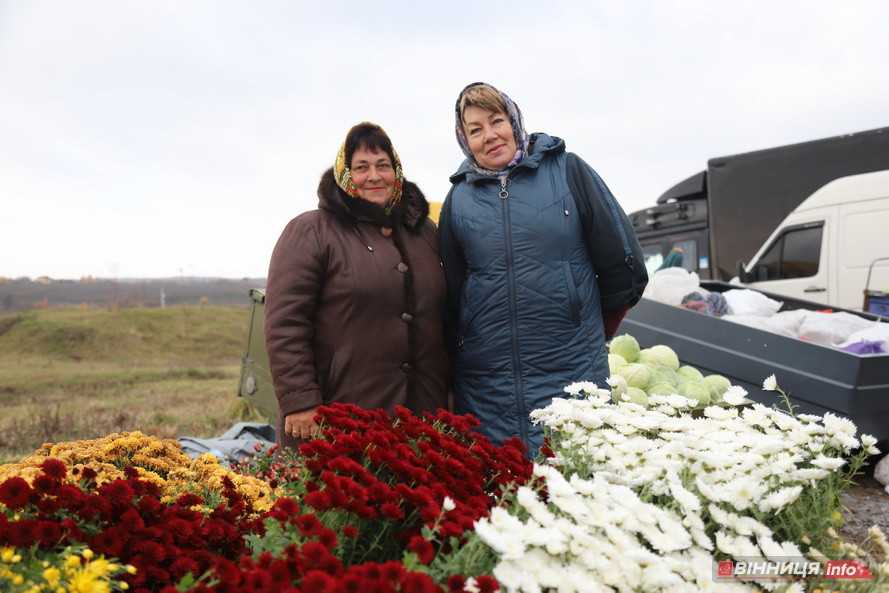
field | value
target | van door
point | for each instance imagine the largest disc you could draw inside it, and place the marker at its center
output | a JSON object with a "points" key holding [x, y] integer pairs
{"points": [[862, 240], [796, 262]]}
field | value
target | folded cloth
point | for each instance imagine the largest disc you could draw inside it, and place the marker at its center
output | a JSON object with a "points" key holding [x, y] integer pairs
{"points": [[865, 347], [708, 303]]}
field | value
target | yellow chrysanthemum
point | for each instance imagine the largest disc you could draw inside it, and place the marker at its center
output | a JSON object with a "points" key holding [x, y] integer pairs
{"points": [[84, 581], [52, 575], [160, 461]]}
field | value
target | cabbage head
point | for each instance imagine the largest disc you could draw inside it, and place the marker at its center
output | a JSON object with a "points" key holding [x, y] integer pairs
{"points": [[660, 355], [661, 374], [690, 373], [615, 361], [718, 385], [625, 346], [662, 388], [696, 391], [637, 375], [637, 396]]}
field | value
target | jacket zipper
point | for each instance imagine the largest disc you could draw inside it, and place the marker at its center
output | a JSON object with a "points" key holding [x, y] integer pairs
{"points": [[517, 371]]}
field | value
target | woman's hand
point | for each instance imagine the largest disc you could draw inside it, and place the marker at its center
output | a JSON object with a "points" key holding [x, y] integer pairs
{"points": [[301, 425]]}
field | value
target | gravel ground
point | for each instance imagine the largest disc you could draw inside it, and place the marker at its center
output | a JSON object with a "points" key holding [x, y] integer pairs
{"points": [[867, 504]]}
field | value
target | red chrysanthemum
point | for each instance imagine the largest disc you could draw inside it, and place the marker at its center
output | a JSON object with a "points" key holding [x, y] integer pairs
{"points": [[316, 581], [54, 468], [487, 584], [350, 531], [15, 493], [422, 548], [456, 583]]}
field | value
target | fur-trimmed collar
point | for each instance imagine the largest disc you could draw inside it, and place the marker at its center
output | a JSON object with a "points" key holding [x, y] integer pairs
{"points": [[412, 210]]}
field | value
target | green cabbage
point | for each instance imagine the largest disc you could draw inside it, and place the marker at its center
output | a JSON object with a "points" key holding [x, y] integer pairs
{"points": [[689, 373], [718, 385], [637, 375], [662, 388], [615, 361], [696, 391], [625, 346], [637, 396], [618, 387], [659, 355], [660, 374]]}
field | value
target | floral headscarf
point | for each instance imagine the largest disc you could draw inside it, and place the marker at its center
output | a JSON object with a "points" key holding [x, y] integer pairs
{"points": [[343, 175], [518, 131]]}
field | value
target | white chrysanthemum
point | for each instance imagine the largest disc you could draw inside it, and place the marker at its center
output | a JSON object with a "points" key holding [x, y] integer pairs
{"points": [[720, 413], [844, 441], [870, 444], [780, 498], [470, 586], [810, 473], [770, 383], [734, 395], [837, 425], [448, 504], [581, 387], [743, 491], [828, 463]]}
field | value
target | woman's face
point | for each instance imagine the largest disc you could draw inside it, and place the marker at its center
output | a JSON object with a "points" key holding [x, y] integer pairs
{"points": [[490, 138], [373, 175]]}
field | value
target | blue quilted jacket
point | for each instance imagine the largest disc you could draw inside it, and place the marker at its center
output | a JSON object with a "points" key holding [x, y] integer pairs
{"points": [[525, 302]]}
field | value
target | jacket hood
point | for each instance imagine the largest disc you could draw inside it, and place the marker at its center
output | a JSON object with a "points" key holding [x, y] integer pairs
{"points": [[541, 146], [411, 211]]}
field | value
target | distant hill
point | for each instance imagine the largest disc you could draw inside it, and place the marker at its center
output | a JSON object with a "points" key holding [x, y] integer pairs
{"points": [[192, 335], [23, 293]]}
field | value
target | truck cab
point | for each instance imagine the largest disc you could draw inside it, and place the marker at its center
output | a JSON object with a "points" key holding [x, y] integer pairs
{"points": [[675, 230], [828, 249]]}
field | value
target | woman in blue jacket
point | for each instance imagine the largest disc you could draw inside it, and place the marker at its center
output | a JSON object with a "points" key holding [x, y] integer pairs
{"points": [[541, 266]]}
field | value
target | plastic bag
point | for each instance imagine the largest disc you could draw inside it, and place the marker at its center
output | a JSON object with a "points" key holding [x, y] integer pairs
{"points": [[831, 329], [761, 323], [789, 321], [750, 302], [669, 285]]}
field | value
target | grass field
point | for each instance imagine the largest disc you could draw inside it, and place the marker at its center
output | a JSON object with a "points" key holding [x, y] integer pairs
{"points": [[69, 374]]}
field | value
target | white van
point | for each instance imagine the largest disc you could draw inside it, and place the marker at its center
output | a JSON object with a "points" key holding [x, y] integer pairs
{"points": [[824, 249]]}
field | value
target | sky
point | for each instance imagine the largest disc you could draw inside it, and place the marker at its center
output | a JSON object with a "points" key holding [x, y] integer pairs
{"points": [[168, 138]]}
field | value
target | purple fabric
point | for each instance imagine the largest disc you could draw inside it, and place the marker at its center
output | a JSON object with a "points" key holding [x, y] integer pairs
{"points": [[865, 347]]}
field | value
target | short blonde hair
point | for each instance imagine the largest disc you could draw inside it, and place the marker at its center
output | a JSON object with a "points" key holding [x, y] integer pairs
{"points": [[484, 97]]}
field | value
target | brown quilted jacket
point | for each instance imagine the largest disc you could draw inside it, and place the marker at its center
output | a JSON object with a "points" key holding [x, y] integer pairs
{"points": [[353, 311]]}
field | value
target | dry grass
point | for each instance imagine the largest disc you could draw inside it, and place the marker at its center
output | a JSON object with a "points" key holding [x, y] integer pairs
{"points": [[71, 374]]}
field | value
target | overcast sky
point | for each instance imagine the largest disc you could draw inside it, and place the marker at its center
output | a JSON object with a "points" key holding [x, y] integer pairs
{"points": [[159, 138]]}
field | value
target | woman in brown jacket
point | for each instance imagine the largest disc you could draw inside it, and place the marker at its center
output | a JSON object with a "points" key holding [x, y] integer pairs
{"points": [[355, 295]]}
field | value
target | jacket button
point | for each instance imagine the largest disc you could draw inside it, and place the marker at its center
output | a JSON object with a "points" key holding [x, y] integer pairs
{"points": [[406, 367], [407, 317], [460, 342], [401, 267], [370, 248]]}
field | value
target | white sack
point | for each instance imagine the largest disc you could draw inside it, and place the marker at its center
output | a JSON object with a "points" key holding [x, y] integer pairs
{"points": [[750, 302], [669, 285], [761, 323], [831, 329]]}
